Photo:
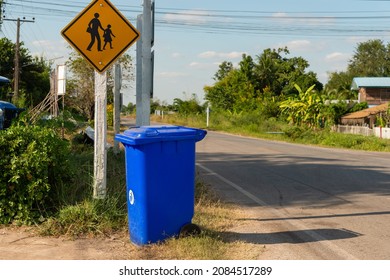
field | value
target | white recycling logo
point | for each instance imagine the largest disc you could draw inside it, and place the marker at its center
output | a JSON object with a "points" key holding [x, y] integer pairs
{"points": [[131, 197]]}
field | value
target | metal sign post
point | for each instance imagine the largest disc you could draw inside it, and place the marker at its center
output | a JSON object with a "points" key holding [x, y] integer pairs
{"points": [[117, 103]]}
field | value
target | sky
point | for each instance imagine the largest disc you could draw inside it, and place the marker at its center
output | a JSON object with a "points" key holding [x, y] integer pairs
{"points": [[192, 37]]}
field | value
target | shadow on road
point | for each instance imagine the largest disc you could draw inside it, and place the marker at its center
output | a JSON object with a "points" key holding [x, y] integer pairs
{"points": [[322, 216], [285, 180], [292, 237]]}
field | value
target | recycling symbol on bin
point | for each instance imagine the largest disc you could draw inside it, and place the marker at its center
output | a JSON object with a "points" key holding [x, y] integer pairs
{"points": [[131, 197]]}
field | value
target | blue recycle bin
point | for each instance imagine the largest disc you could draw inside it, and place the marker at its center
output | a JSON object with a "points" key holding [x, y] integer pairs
{"points": [[160, 180]]}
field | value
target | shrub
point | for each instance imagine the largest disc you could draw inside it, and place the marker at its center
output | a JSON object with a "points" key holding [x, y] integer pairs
{"points": [[33, 162], [110, 115]]}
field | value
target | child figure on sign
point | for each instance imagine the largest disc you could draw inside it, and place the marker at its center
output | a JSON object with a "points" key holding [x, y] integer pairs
{"points": [[108, 36]]}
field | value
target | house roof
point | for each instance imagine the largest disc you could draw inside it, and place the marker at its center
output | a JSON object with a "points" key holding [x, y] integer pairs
{"points": [[359, 82], [367, 112]]}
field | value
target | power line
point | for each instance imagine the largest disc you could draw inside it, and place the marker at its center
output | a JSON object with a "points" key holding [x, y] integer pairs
{"points": [[222, 21]]}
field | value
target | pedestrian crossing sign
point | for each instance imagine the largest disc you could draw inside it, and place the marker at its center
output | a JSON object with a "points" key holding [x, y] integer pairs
{"points": [[101, 34]]}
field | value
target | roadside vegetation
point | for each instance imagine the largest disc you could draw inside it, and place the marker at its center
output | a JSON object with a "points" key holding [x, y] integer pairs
{"points": [[273, 96], [47, 167], [48, 187]]}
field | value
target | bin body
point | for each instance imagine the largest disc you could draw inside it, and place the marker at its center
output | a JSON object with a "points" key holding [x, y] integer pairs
{"points": [[160, 180]]}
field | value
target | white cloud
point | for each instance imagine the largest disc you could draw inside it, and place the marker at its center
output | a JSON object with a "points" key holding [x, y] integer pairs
{"points": [[198, 65], [279, 15], [296, 18], [299, 45], [304, 45], [176, 55], [187, 17], [202, 66], [172, 74], [213, 54], [49, 49], [337, 61], [337, 56]]}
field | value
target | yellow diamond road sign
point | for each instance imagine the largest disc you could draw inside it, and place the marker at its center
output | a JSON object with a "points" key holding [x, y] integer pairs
{"points": [[101, 34]]}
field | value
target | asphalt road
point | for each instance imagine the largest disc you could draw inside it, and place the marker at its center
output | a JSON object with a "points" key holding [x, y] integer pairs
{"points": [[302, 202]]}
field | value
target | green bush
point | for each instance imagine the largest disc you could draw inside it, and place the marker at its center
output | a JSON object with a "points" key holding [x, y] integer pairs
{"points": [[110, 114], [33, 162]]}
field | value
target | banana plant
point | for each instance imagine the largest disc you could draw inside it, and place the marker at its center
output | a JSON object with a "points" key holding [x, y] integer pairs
{"points": [[305, 108]]}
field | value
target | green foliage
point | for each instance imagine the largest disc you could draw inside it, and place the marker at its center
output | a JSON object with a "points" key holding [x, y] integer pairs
{"points": [[34, 79], [81, 85], [87, 217], [224, 69], [129, 109], [77, 212], [371, 59], [279, 73], [34, 162], [235, 92], [187, 107], [272, 75], [357, 142], [358, 107], [307, 108], [340, 82], [110, 114], [81, 95]]}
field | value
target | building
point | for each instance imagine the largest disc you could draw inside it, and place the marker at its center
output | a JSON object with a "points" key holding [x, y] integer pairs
{"points": [[366, 117], [373, 90]]}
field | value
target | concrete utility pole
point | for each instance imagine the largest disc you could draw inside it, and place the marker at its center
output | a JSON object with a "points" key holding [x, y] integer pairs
{"points": [[143, 101], [117, 103], [138, 77], [100, 151]]}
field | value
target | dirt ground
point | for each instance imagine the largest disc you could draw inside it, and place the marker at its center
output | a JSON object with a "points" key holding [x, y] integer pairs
{"points": [[23, 243]]}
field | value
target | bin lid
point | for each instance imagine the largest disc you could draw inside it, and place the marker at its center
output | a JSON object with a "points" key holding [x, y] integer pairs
{"points": [[149, 134]]}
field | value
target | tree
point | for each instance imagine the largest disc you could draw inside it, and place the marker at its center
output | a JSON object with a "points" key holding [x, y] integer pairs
{"points": [[81, 85], [235, 92], [34, 81], [129, 109], [245, 87], [278, 74], [266, 69], [187, 107], [224, 69], [7, 55], [371, 59]]}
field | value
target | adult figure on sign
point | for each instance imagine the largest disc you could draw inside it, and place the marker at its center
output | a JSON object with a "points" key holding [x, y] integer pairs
{"points": [[93, 29]]}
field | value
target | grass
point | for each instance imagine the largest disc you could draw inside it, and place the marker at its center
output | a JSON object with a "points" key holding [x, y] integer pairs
{"points": [[94, 218]]}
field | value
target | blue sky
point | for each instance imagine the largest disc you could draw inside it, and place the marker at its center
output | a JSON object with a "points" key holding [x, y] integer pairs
{"points": [[192, 37]]}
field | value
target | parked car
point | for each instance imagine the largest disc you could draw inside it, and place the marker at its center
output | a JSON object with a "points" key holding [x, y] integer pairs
{"points": [[8, 112], [4, 80]]}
